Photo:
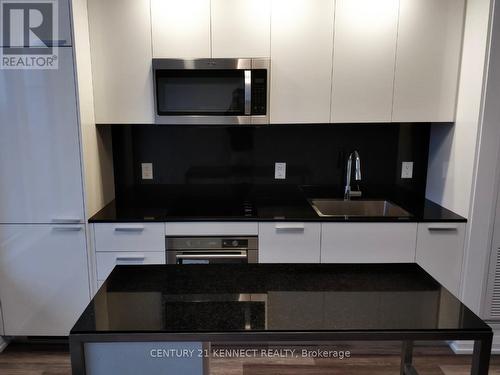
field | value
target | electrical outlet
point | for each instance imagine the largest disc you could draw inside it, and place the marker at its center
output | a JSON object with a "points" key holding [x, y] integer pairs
{"points": [[279, 171], [147, 171], [407, 169]]}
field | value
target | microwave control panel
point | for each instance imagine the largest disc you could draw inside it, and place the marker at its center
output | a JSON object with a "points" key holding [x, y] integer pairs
{"points": [[259, 92]]}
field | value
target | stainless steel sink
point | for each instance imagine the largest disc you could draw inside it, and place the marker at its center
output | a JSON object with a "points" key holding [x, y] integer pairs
{"points": [[361, 208]]}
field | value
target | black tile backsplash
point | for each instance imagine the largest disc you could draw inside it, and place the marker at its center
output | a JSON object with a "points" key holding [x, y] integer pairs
{"points": [[315, 154]]}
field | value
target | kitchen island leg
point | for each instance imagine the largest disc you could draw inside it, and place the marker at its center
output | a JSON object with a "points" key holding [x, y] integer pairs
{"points": [[481, 356]]}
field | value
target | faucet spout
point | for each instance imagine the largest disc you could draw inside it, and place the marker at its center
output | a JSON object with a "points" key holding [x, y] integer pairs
{"points": [[348, 193]]}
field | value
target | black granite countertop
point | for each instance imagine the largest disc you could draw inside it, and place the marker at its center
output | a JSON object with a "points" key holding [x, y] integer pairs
{"points": [[253, 203], [274, 298]]}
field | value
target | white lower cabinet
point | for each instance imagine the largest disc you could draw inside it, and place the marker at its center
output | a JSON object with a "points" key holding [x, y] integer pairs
{"points": [[44, 283], [127, 243], [440, 248], [289, 242], [368, 242], [129, 237], [106, 261]]}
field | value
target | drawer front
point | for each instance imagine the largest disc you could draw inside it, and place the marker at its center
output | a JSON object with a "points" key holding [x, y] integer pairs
{"points": [[106, 261], [440, 251], [289, 242], [368, 242], [211, 229], [130, 237]]}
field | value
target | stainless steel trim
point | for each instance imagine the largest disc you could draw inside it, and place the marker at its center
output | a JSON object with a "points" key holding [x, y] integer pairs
{"points": [[130, 258], [248, 92], [241, 255], [442, 227], [129, 229], [193, 64], [203, 120], [67, 228]]}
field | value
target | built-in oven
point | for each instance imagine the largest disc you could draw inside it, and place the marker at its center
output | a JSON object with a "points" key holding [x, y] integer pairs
{"points": [[211, 91], [211, 250]]}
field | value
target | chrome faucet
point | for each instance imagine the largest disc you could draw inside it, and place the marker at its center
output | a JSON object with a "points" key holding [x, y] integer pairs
{"points": [[348, 193]]}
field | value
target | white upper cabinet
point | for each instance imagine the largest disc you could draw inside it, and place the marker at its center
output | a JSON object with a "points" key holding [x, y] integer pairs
{"points": [[363, 60], [428, 60], [181, 28], [241, 28], [301, 59], [40, 174], [120, 38]]}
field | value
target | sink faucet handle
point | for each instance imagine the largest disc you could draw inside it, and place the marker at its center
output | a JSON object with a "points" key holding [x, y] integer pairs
{"points": [[357, 173]]}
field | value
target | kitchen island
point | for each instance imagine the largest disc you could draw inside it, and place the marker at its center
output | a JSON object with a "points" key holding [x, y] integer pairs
{"points": [[152, 319]]}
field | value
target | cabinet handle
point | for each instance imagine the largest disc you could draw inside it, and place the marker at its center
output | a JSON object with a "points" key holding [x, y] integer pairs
{"points": [[65, 220], [442, 227], [129, 229], [130, 258], [67, 228], [290, 227]]}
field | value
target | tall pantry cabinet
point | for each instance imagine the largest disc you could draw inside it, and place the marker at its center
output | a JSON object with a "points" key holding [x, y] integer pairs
{"points": [[44, 282]]}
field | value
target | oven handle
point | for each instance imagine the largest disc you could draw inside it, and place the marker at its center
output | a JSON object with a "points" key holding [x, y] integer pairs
{"points": [[242, 255], [248, 92]]}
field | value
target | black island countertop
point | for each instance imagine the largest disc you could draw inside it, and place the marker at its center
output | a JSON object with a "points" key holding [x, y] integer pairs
{"points": [[274, 297], [143, 310], [163, 203]]}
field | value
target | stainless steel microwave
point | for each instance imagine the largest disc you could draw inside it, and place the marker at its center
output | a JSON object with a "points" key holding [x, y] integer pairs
{"points": [[211, 91]]}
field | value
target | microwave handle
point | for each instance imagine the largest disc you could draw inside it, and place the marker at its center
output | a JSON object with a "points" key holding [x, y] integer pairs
{"points": [[248, 92]]}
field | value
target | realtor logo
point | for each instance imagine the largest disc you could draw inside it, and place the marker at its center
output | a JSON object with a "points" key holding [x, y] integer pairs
{"points": [[28, 33]]}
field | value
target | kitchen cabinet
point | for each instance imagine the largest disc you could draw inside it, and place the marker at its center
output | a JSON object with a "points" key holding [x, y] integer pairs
{"points": [[120, 38], [301, 60], [64, 24], [241, 28], [428, 60], [363, 60], [40, 173], [127, 243], [440, 248], [106, 261], [180, 28], [129, 237], [43, 278], [289, 242], [368, 242]]}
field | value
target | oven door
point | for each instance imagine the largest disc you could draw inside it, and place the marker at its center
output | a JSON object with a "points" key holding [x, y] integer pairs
{"points": [[203, 91], [207, 256]]}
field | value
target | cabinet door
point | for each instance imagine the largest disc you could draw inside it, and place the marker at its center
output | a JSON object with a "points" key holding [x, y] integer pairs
{"points": [[363, 60], [289, 242], [40, 174], [368, 242], [241, 28], [64, 25], [440, 250], [301, 58], [44, 284], [106, 261], [120, 40], [428, 60], [181, 28]]}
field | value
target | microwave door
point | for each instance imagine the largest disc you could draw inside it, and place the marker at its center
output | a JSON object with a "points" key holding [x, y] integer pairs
{"points": [[201, 95]]}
